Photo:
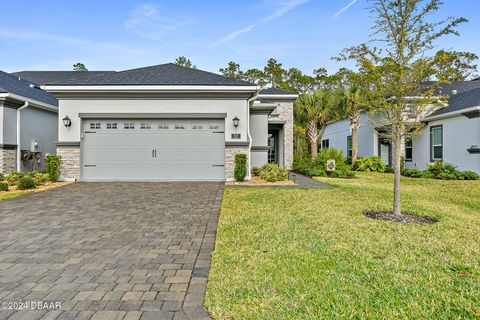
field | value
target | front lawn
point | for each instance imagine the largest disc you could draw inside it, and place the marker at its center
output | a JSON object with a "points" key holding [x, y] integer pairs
{"points": [[14, 192], [311, 254]]}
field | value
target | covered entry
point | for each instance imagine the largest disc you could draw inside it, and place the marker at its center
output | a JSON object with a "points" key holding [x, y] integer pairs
{"points": [[152, 149]]}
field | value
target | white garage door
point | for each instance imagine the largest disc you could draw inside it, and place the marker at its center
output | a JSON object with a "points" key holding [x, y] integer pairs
{"points": [[176, 149]]}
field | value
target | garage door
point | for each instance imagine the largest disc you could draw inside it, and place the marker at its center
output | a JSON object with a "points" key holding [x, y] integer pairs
{"points": [[153, 149]]}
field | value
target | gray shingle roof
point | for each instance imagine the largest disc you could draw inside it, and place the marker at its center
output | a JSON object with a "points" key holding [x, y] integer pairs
{"points": [[460, 101], [43, 77], [163, 74], [275, 91], [12, 84]]}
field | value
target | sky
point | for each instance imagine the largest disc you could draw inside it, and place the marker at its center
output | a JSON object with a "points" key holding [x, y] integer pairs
{"points": [[125, 34]]}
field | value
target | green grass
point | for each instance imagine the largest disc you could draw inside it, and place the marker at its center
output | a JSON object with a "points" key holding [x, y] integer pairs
{"points": [[11, 195], [311, 254]]}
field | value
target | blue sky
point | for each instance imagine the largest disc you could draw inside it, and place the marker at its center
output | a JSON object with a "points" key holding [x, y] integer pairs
{"points": [[117, 35]]}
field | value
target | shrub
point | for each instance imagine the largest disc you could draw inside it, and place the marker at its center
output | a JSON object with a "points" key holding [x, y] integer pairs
{"points": [[2, 177], [40, 178], [315, 172], [272, 172], [470, 175], [240, 171], [439, 167], [413, 173], [303, 164], [256, 171], [426, 174], [446, 176], [25, 183], [371, 164], [3, 186], [389, 169], [342, 173], [14, 177], [337, 155], [52, 166]]}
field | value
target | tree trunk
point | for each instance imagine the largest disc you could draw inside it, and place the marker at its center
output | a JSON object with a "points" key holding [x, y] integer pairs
{"points": [[313, 137], [354, 124], [397, 153]]}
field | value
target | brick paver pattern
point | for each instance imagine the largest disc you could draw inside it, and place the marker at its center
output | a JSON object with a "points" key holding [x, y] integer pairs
{"points": [[110, 250]]}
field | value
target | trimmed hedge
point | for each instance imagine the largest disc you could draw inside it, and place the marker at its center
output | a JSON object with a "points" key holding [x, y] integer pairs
{"points": [[52, 167], [25, 183], [272, 172], [14, 177], [240, 171]]}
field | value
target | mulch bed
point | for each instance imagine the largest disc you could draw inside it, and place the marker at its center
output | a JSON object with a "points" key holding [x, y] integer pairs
{"points": [[404, 218]]}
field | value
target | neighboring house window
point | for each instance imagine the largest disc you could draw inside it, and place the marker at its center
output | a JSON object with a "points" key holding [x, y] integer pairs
{"points": [[408, 150], [163, 126], [111, 126], [95, 126], [145, 126], [325, 144], [129, 125], [436, 143], [349, 146]]}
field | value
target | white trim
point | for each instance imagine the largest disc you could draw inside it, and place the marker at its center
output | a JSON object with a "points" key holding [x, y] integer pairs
{"points": [[32, 102], [147, 88], [451, 114], [278, 96]]}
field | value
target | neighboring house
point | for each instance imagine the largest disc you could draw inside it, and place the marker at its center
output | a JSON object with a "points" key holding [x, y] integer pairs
{"points": [[166, 122], [451, 133], [28, 124]]}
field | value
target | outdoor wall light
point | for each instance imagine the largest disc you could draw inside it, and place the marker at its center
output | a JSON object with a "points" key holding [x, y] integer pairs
{"points": [[236, 121], [67, 122]]}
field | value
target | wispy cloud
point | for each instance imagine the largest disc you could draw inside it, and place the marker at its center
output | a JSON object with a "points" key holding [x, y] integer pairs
{"points": [[147, 20], [28, 36], [284, 8], [345, 8]]}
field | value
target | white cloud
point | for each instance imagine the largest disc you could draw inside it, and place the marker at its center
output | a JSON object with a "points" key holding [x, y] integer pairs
{"points": [[28, 36], [147, 21], [284, 8], [345, 8]]}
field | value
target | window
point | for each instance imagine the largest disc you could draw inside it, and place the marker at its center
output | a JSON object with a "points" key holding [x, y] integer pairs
{"points": [[349, 146], [436, 143], [197, 127], [214, 126], [111, 126], [179, 126], [163, 126], [325, 144], [129, 125], [145, 126], [95, 126], [408, 150]]}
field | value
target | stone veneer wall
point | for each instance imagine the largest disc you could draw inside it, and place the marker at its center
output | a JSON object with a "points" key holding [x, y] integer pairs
{"points": [[8, 160], [285, 113], [230, 152], [70, 167]]}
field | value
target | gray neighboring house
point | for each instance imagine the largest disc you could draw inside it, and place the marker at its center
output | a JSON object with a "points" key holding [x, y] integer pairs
{"points": [[451, 133], [28, 124], [165, 122]]}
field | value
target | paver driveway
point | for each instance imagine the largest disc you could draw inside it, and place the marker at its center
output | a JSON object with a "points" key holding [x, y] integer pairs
{"points": [[109, 250]]}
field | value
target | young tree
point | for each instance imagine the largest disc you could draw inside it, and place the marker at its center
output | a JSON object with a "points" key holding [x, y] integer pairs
{"points": [[354, 101], [185, 62], [79, 67], [407, 32], [315, 110]]}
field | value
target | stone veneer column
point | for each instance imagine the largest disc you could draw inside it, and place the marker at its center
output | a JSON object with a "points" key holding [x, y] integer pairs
{"points": [[8, 160], [70, 166], [230, 152], [285, 113]]}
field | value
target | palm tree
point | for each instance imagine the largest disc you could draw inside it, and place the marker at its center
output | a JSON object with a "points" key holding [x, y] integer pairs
{"points": [[353, 102], [316, 110]]}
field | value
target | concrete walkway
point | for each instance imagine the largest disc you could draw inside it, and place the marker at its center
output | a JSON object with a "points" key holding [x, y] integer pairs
{"points": [[109, 250]]}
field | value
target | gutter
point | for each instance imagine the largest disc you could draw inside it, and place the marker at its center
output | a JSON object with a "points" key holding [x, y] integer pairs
{"points": [[451, 114], [32, 103], [25, 105], [249, 163]]}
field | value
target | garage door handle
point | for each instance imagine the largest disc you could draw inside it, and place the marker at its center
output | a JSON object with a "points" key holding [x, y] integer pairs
{"points": [[218, 131], [155, 153], [90, 131], [219, 165], [90, 165]]}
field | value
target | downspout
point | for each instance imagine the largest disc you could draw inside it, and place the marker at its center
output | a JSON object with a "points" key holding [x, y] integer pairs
{"points": [[249, 136], [19, 153]]}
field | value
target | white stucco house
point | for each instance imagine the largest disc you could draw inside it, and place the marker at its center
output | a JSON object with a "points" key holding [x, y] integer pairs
{"points": [[165, 122], [28, 124], [451, 133]]}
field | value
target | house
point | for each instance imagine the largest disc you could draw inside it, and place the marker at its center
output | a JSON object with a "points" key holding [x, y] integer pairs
{"points": [[165, 122], [28, 124], [451, 133]]}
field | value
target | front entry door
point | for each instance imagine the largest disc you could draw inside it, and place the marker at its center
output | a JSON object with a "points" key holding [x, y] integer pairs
{"points": [[272, 146], [385, 153]]}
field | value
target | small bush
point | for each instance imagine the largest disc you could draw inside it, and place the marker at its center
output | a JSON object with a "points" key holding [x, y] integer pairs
{"points": [[3, 186], [2, 177], [240, 171], [272, 172], [52, 167], [439, 167], [315, 172], [337, 155], [342, 173], [413, 173], [256, 171], [389, 169], [318, 167], [14, 177], [369, 164], [446, 176], [470, 175], [426, 174], [25, 183], [40, 178]]}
